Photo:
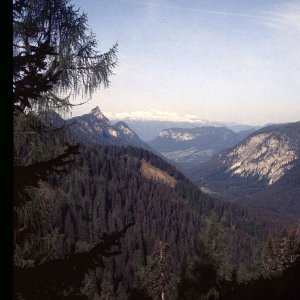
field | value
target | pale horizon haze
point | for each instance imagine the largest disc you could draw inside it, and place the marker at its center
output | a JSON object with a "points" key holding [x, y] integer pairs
{"points": [[233, 61]]}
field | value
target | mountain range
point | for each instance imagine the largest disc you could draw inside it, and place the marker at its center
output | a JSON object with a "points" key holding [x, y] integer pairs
{"points": [[148, 128], [262, 170], [114, 184], [187, 146], [257, 168], [96, 128]]}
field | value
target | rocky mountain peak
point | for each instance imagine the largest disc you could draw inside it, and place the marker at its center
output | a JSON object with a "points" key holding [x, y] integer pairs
{"points": [[95, 128], [96, 112]]}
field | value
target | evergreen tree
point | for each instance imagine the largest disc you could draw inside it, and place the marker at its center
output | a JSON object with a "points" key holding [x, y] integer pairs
{"points": [[289, 247], [55, 52], [269, 259], [215, 244], [159, 276], [55, 58], [280, 252], [200, 278]]}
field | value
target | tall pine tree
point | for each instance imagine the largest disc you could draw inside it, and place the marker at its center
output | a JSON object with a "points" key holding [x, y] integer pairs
{"points": [[55, 58]]}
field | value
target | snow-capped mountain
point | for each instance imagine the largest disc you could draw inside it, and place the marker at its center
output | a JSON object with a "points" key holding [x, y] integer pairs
{"points": [[155, 115], [187, 146], [257, 166]]}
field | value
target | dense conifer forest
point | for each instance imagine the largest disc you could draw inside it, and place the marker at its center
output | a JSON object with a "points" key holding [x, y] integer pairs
{"points": [[104, 191], [111, 222]]}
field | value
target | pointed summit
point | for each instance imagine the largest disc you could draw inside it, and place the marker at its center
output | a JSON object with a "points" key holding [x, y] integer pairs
{"points": [[96, 112]]}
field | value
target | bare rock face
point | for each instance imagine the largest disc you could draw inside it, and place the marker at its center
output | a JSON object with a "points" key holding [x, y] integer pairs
{"points": [[263, 170], [97, 113], [177, 135], [266, 155]]}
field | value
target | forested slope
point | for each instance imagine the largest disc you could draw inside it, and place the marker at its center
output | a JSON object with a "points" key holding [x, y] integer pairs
{"points": [[106, 190]]}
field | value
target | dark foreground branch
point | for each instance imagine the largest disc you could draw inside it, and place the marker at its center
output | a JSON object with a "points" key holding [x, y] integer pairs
{"points": [[62, 278]]}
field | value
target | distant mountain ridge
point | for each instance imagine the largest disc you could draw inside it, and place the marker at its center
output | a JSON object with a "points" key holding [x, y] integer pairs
{"points": [[148, 130], [187, 146], [155, 115]]}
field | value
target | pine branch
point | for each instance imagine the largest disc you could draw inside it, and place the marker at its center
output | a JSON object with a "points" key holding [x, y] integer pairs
{"points": [[65, 272], [30, 175]]}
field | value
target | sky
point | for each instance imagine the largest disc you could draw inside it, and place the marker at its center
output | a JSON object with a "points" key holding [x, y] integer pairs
{"points": [[232, 60]]}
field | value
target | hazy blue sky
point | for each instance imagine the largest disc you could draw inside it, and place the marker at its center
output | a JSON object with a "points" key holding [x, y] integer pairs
{"points": [[219, 60]]}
